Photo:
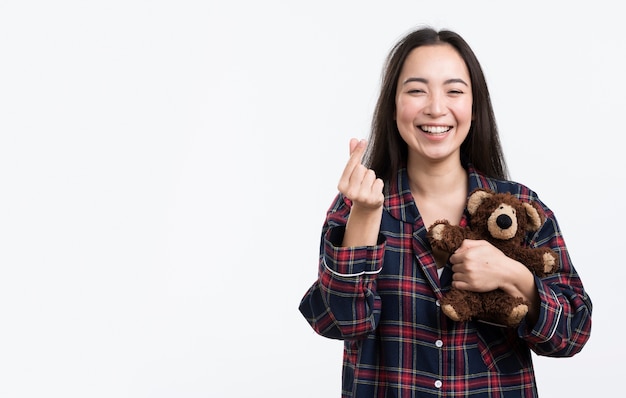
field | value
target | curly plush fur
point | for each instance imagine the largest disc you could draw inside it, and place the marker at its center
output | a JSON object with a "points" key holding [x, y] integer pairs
{"points": [[503, 220]]}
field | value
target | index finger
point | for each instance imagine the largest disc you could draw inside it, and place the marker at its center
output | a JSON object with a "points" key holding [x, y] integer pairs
{"points": [[354, 142], [357, 149]]}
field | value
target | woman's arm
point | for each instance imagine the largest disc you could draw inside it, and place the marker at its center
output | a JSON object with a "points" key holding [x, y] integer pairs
{"points": [[343, 302]]}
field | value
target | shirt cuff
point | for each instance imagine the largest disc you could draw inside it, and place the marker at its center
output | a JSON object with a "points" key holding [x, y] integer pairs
{"points": [[351, 261], [550, 313]]}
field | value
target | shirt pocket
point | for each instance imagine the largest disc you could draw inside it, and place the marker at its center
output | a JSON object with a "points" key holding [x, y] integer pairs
{"points": [[501, 349]]}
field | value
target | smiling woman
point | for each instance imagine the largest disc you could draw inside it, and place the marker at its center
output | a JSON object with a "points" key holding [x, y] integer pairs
{"points": [[166, 166], [434, 140]]}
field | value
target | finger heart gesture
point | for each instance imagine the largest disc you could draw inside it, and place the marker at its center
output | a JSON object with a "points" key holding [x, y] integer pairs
{"points": [[358, 183]]}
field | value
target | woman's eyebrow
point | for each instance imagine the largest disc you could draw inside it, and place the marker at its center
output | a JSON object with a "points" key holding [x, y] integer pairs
{"points": [[425, 81], [415, 79]]}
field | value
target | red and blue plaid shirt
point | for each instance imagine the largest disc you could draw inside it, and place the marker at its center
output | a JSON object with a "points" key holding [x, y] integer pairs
{"points": [[383, 302]]}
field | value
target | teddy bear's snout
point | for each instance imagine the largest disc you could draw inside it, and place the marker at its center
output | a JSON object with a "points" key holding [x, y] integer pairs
{"points": [[504, 221]]}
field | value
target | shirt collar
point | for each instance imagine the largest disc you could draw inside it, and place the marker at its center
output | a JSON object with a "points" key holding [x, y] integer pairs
{"points": [[399, 200]]}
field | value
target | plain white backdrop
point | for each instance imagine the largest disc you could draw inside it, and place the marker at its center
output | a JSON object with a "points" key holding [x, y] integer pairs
{"points": [[165, 168]]}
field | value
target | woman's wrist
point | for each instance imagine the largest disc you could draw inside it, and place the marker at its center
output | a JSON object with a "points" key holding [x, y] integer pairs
{"points": [[519, 281], [362, 227]]}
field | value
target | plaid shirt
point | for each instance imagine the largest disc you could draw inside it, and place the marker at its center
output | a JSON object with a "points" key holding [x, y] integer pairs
{"points": [[397, 341]]}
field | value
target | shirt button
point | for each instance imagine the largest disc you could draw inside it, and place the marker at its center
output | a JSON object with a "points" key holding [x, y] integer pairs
{"points": [[438, 303], [439, 343], [438, 384]]}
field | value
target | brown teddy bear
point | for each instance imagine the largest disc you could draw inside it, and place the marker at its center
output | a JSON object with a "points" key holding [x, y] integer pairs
{"points": [[502, 220]]}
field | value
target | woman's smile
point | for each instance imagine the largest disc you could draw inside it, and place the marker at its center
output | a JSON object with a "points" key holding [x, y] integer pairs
{"points": [[435, 130]]}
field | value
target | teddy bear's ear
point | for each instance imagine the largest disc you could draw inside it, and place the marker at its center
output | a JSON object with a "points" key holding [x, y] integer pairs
{"points": [[476, 198], [535, 215]]}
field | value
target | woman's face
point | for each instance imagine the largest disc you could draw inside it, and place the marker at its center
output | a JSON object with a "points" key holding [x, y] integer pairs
{"points": [[434, 103]]}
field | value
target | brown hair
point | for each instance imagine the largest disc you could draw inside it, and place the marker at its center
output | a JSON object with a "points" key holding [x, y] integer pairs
{"points": [[388, 152]]}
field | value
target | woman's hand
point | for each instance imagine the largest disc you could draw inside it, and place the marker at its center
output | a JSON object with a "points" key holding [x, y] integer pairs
{"points": [[479, 266], [358, 183], [365, 190]]}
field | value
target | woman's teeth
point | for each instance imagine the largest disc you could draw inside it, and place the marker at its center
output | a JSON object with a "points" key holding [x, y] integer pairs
{"points": [[434, 129]]}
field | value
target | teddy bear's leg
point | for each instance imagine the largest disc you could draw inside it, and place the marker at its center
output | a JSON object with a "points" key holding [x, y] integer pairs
{"points": [[460, 305], [449, 310], [501, 308], [517, 314]]}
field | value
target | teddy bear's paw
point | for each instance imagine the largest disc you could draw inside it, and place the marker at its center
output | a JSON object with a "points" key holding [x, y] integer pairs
{"points": [[436, 231], [450, 312], [517, 314], [549, 262]]}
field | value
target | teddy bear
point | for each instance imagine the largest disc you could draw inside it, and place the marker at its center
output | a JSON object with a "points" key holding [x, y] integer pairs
{"points": [[503, 220]]}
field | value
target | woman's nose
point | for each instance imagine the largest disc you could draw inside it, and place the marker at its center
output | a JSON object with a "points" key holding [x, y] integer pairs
{"points": [[436, 105]]}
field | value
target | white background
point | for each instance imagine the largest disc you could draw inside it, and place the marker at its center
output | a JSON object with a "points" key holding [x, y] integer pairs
{"points": [[165, 168]]}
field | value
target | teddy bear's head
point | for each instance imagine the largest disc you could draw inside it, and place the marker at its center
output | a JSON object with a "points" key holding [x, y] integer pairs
{"points": [[502, 215]]}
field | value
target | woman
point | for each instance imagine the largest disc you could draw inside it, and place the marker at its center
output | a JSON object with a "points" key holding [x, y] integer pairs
{"points": [[434, 139]]}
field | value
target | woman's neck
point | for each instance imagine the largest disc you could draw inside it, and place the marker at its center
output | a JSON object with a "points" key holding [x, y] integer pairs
{"points": [[433, 180], [439, 191]]}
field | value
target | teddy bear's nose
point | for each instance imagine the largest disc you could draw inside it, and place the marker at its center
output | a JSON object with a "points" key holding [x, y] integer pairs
{"points": [[504, 221]]}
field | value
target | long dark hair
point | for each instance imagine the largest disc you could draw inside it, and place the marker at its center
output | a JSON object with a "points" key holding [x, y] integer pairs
{"points": [[388, 152]]}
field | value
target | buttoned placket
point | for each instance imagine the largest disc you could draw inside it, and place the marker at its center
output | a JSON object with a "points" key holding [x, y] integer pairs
{"points": [[439, 344]]}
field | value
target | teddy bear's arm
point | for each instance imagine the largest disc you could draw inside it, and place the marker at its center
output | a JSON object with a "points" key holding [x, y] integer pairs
{"points": [[444, 236], [541, 261]]}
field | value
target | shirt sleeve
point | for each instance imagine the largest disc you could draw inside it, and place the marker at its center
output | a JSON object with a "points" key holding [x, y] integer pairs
{"points": [[564, 323], [342, 303]]}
